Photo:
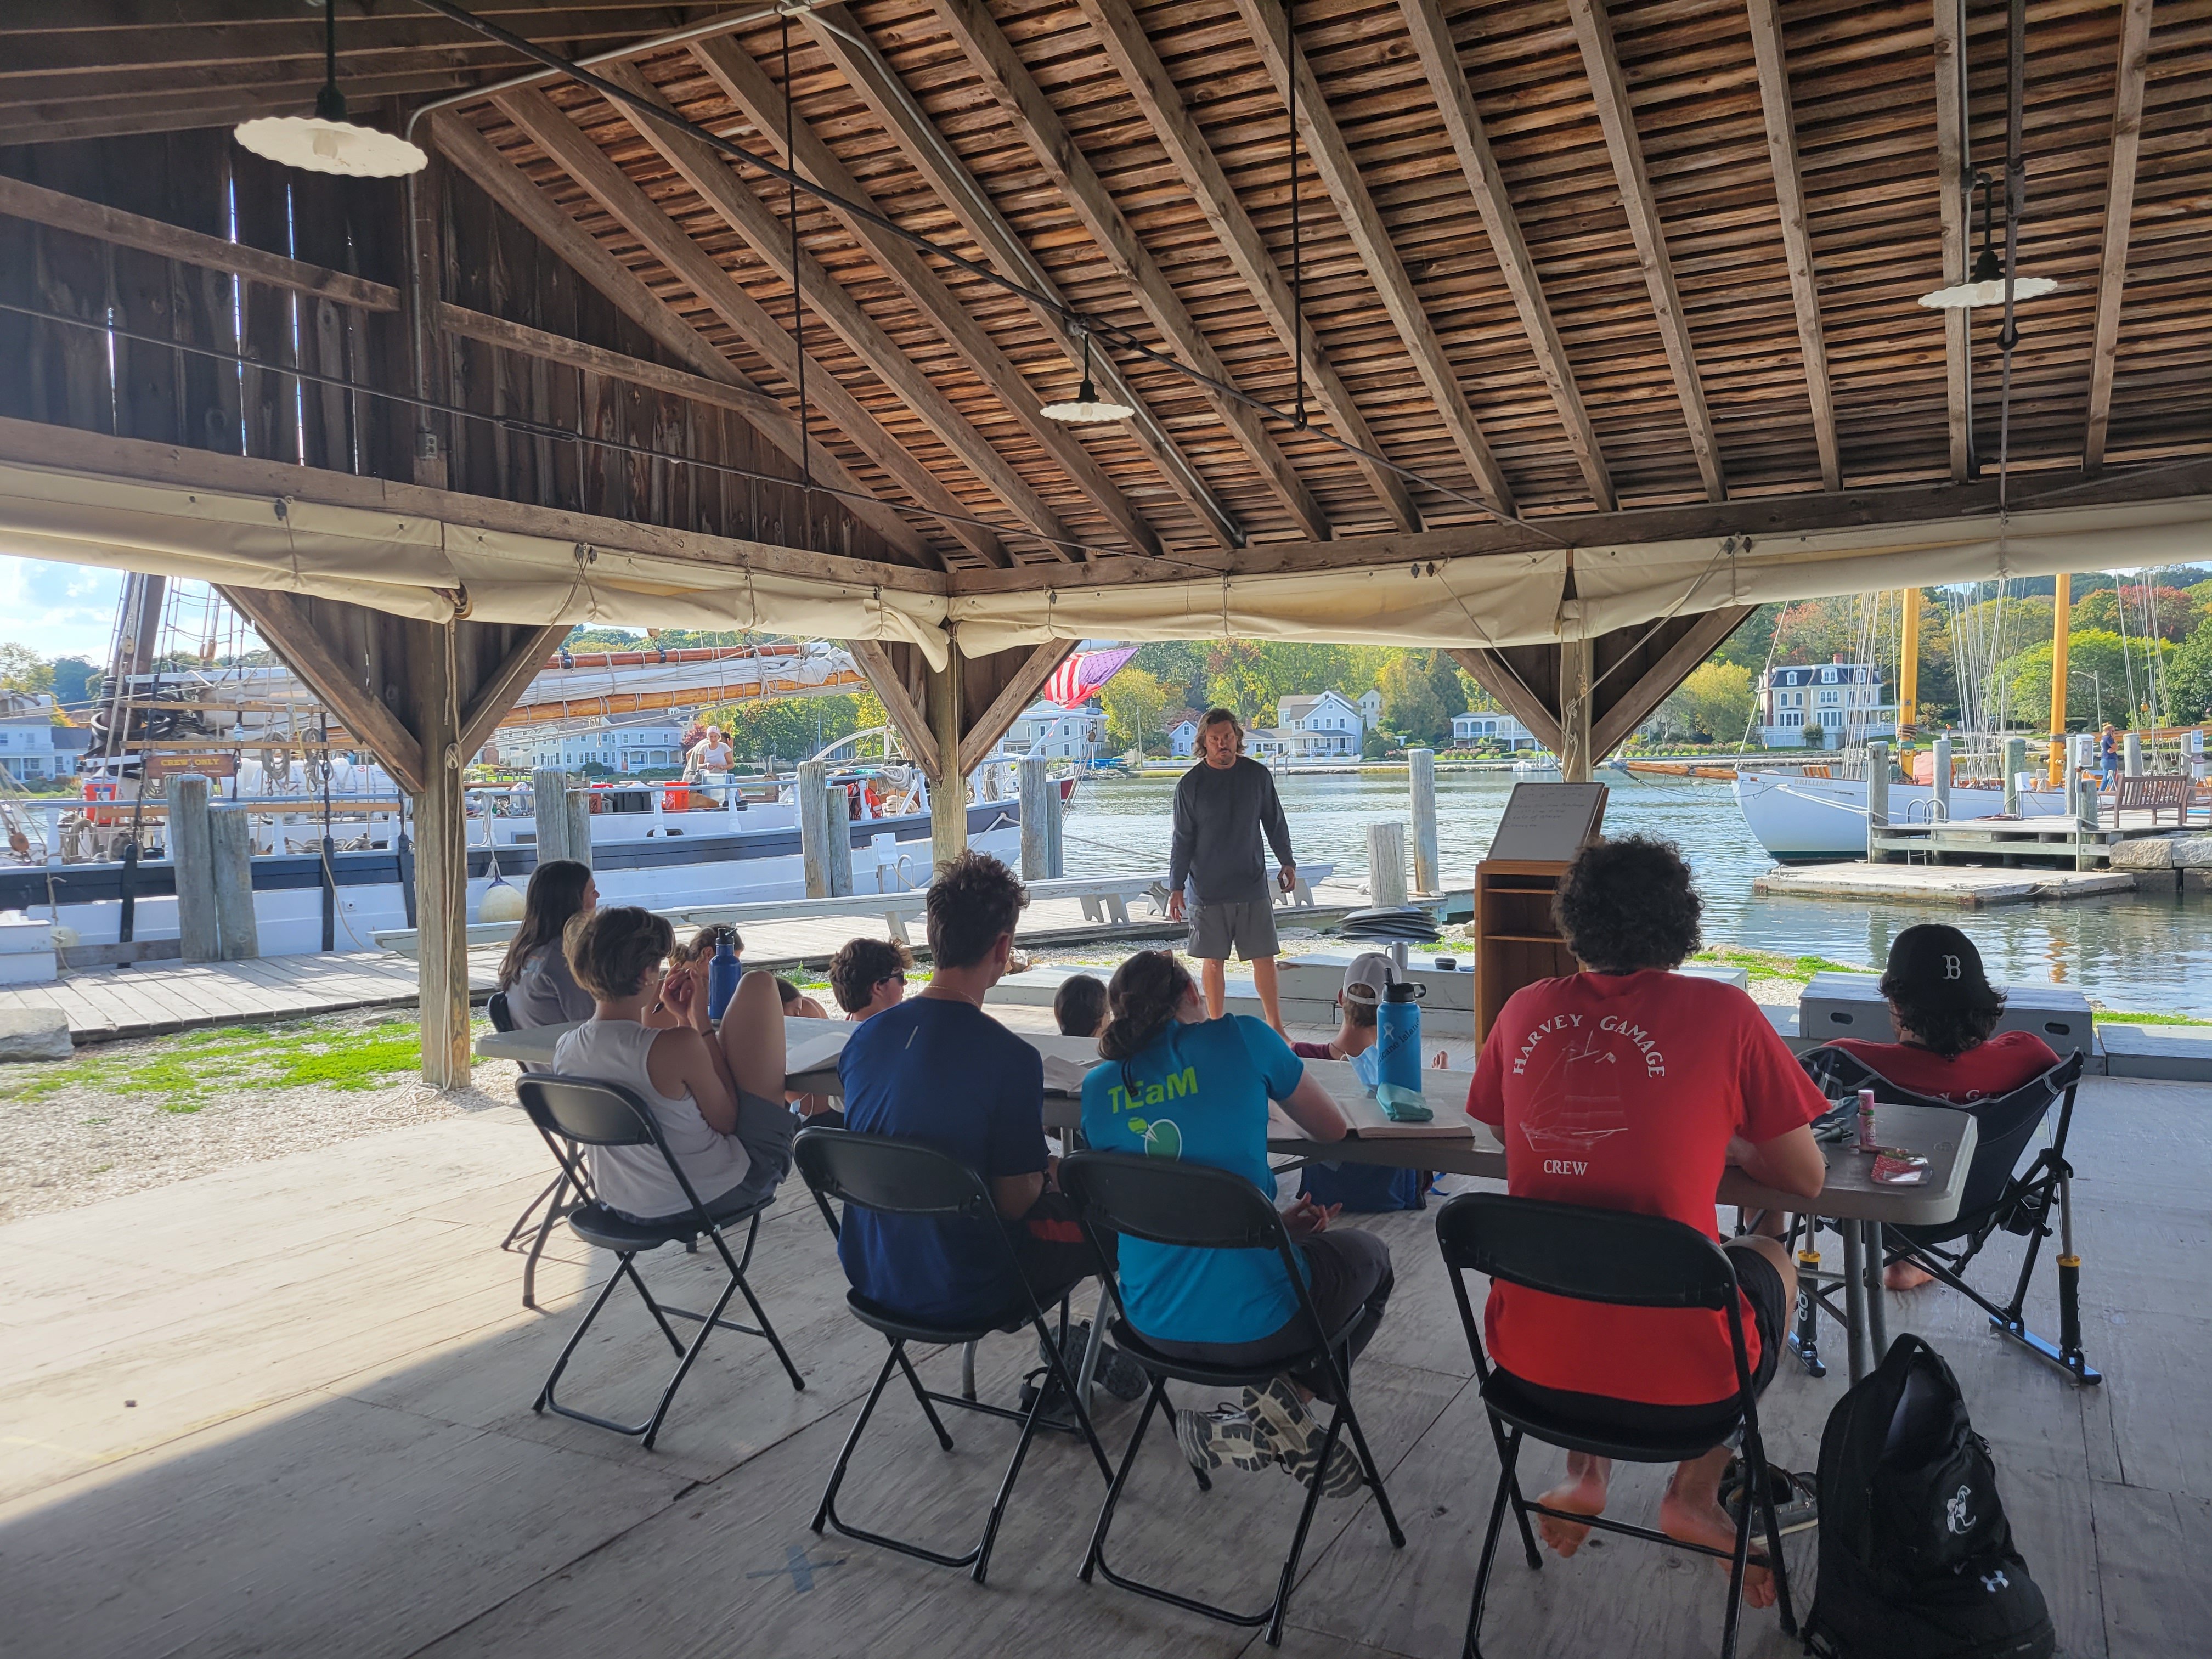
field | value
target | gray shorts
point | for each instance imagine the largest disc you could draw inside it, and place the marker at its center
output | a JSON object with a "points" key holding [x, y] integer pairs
{"points": [[1249, 927]]}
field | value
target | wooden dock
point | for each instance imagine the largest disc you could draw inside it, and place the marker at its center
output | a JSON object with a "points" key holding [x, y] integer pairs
{"points": [[1962, 886]]}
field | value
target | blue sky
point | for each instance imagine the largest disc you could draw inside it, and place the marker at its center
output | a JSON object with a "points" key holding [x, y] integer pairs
{"points": [[58, 610]]}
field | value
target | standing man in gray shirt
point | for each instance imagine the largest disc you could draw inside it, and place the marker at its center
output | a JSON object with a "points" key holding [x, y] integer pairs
{"points": [[1222, 806]]}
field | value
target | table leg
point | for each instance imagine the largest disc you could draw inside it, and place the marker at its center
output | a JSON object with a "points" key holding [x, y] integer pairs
{"points": [[1855, 1299], [1877, 1299]]}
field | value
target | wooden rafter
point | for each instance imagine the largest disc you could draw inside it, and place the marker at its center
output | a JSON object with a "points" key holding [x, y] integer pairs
{"points": [[1439, 55], [746, 85], [890, 690], [1601, 62], [1796, 242], [1952, 185], [993, 59], [282, 623], [1494, 673], [1629, 706], [499, 694], [1371, 238], [844, 41], [983, 736], [2120, 210], [1146, 78], [769, 238], [507, 185], [614, 189]]}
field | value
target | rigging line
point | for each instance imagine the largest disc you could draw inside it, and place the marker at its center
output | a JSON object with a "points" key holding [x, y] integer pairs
{"points": [[1119, 333]]}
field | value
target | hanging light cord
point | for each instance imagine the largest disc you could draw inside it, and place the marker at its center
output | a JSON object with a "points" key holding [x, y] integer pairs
{"points": [[2016, 203]]}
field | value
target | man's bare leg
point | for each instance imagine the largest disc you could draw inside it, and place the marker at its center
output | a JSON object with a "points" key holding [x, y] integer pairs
{"points": [[1214, 976], [1583, 1493], [1271, 1002]]}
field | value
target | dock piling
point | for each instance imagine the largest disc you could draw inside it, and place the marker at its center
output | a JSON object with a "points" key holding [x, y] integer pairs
{"points": [[825, 838], [230, 840], [2131, 754], [1939, 779], [1421, 776], [192, 856], [1877, 766], [2016, 763], [1386, 863], [1037, 825]]}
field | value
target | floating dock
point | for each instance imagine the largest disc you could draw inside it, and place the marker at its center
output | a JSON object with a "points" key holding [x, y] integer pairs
{"points": [[1961, 886]]}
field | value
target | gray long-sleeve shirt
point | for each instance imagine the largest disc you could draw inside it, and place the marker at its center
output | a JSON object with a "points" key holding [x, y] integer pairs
{"points": [[1219, 814]]}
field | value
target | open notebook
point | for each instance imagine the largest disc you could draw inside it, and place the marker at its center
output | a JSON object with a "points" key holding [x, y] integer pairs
{"points": [[1446, 1095]]}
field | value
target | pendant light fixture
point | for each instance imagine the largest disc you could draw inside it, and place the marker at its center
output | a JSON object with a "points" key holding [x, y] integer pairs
{"points": [[326, 141], [1087, 409], [1985, 285]]}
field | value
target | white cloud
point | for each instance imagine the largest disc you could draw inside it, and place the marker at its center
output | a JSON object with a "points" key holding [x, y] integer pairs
{"points": [[58, 610]]}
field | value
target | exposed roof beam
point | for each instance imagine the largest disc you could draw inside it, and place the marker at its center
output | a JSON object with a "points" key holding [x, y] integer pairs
{"points": [[1796, 244], [982, 737], [506, 184], [993, 59], [769, 237], [1602, 61], [842, 38], [1439, 55], [714, 287], [2119, 209], [499, 694], [1633, 704], [1146, 78], [898, 703], [747, 85], [1494, 672], [1953, 182], [1371, 238], [283, 623]]}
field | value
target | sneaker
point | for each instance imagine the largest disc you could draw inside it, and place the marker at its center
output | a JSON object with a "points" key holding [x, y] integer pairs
{"points": [[1224, 1435], [1290, 1433], [1119, 1375]]}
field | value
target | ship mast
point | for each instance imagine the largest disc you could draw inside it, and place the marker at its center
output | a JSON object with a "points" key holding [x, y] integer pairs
{"points": [[137, 631], [1908, 669], [2061, 615]]}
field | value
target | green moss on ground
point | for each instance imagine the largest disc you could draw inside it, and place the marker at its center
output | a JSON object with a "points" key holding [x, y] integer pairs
{"points": [[185, 1072], [1769, 964], [2121, 1017]]}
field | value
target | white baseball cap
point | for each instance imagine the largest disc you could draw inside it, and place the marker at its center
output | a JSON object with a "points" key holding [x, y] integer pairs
{"points": [[1372, 973]]}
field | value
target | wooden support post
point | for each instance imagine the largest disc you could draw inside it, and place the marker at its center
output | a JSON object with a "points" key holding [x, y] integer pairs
{"points": [[1421, 768], [230, 843], [1037, 825], [549, 805], [1575, 760], [810, 794], [441, 873], [2062, 610], [948, 785], [1940, 780], [1386, 863], [1877, 765], [192, 856], [2014, 750]]}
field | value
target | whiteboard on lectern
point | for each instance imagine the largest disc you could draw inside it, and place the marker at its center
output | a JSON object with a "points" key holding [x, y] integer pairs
{"points": [[1548, 821]]}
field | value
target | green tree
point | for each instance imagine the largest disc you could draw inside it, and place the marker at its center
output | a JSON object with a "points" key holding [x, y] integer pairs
{"points": [[22, 669], [1412, 707], [2099, 666], [2174, 610], [1133, 701], [73, 679], [2188, 679], [1715, 703]]}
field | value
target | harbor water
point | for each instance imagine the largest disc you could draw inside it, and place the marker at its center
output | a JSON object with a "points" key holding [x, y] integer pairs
{"points": [[2140, 953]]}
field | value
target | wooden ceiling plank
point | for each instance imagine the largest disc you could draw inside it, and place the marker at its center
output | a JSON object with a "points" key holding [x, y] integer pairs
{"points": [[2119, 212], [614, 190], [1602, 61], [1146, 78], [980, 738], [499, 694], [1779, 109], [769, 237], [537, 212], [1952, 185], [843, 39], [747, 85], [1025, 104], [890, 691], [286, 628], [1370, 240], [1439, 55]]}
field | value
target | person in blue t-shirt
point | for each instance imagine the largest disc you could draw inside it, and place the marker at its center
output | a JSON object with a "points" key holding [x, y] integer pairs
{"points": [[936, 1068], [1176, 1085]]}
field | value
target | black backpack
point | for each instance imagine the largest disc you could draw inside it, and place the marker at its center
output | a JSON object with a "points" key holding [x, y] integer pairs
{"points": [[1916, 1557]]}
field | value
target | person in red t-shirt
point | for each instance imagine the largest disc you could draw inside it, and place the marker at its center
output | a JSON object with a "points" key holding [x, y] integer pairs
{"points": [[1945, 1009], [1629, 1087]]}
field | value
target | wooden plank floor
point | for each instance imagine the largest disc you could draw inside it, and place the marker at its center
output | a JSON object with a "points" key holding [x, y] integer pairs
{"points": [[105, 1004], [286, 1410]]}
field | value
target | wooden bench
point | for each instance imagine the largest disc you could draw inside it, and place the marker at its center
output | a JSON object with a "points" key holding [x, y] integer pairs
{"points": [[2161, 792]]}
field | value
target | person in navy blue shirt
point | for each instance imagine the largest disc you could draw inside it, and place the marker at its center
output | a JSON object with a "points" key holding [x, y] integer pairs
{"points": [[937, 1069], [1177, 1084]]}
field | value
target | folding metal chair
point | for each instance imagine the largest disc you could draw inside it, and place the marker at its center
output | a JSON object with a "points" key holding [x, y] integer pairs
{"points": [[553, 1201], [891, 1176], [1620, 1260], [1198, 1207], [573, 1113], [1996, 1200]]}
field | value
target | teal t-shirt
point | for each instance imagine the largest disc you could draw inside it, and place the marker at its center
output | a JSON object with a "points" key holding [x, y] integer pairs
{"points": [[1199, 1093]]}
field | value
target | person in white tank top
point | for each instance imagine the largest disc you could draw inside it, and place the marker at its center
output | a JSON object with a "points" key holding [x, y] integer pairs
{"points": [[717, 1097]]}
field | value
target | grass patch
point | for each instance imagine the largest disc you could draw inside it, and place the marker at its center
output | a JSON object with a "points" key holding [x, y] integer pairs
{"points": [[2121, 1017], [183, 1073], [1769, 964]]}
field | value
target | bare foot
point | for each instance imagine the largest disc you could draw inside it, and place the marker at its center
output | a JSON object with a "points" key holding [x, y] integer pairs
{"points": [[1904, 1276], [1709, 1524], [1581, 1493]]}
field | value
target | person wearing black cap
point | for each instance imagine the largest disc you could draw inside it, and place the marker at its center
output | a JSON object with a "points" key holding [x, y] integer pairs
{"points": [[1945, 1011]]}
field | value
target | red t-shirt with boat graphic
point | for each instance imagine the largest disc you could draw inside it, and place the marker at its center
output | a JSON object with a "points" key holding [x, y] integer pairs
{"points": [[1622, 1092]]}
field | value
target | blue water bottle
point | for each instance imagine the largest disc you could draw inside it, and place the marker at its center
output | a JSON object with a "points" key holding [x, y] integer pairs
{"points": [[1398, 1037], [722, 975]]}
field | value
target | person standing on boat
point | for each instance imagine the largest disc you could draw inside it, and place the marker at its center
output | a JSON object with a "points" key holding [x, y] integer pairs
{"points": [[709, 761], [1222, 805]]}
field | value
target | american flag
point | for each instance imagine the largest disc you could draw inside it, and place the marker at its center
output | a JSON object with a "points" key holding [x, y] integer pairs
{"points": [[1083, 673]]}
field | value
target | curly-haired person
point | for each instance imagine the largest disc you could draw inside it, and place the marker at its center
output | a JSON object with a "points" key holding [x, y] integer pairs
{"points": [[868, 976], [1626, 1086]]}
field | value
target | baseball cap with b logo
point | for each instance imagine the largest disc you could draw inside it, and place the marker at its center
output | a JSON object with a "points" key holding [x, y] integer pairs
{"points": [[1935, 965]]}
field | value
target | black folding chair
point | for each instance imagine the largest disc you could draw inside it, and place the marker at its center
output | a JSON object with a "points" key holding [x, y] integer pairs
{"points": [[573, 1113], [1999, 1197], [554, 1201], [1201, 1208], [1620, 1260], [897, 1177]]}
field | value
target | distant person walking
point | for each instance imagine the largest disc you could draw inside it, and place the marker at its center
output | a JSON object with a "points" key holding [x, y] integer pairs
{"points": [[2109, 755], [1222, 807]]}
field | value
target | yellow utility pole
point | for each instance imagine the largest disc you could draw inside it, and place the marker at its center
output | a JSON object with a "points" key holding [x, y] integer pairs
{"points": [[2062, 619], [1908, 671]]}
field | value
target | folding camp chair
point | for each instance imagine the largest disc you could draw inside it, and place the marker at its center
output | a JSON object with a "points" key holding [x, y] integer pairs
{"points": [[896, 1177], [554, 1201], [1620, 1260], [1198, 1207], [1996, 1200], [573, 1113]]}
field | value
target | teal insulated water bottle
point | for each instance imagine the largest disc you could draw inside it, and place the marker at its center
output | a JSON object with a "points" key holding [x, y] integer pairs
{"points": [[722, 973], [1398, 1037]]}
